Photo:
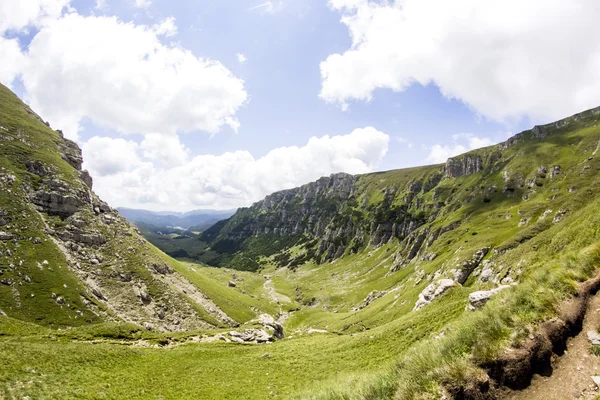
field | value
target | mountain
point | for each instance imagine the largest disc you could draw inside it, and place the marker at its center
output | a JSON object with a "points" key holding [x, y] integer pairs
{"points": [[66, 257], [459, 280], [532, 179], [200, 219]]}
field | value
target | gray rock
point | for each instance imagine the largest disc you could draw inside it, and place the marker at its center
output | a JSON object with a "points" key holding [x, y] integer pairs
{"points": [[145, 297], [96, 292], [432, 291], [560, 214], [162, 269], [87, 179], [37, 168], [231, 284], [486, 274], [6, 235], [54, 203], [371, 297], [467, 164], [479, 298], [462, 273], [594, 337]]}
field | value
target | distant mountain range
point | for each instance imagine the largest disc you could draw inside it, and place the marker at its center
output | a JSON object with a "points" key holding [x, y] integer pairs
{"points": [[196, 219]]}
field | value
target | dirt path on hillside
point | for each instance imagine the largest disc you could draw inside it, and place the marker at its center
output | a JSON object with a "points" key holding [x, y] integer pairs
{"points": [[572, 375], [276, 297]]}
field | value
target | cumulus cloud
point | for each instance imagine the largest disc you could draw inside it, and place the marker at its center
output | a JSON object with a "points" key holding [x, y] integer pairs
{"points": [[166, 149], [504, 59], [462, 143], [124, 176], [108, 156], [10, 50], [121, 75], [166, 27], [16, 15]]}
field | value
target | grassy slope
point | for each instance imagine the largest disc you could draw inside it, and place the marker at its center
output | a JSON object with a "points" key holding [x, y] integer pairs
{"points": [[548, 259], [23, 138]]}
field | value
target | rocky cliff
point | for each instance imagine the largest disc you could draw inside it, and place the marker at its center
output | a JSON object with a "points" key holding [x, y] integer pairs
{"points": [[66, 257], [343, 214]]}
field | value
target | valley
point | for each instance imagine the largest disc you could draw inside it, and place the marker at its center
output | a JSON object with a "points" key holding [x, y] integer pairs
{"points": [[414, 283]]}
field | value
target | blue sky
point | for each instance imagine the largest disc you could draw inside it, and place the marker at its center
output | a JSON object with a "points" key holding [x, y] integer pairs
{"points": [[284, 49], [416, 87]]}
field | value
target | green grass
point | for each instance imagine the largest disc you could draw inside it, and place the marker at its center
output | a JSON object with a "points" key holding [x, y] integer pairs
{"points": [[384, 350]]}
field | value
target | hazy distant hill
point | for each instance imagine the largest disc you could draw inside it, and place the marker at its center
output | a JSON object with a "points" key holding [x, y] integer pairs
{"points": [[197, 219]]}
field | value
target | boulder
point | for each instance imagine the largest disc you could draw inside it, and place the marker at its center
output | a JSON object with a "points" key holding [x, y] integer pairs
{"points": [[462, 273], [432, 291], [594, 337], [6, 235], [479, 298]]}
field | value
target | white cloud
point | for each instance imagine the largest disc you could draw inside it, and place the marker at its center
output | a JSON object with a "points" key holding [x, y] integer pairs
{"points": [[504, 59], [125, 177], [241, 58], [122, 76], [166, 149], [16, 15], [462, 143], [142, 3], [166, 28], [10, 50], [110, 156], [268, 7]]}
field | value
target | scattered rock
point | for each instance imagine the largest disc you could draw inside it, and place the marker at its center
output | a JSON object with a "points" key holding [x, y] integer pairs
{"points": [[486, 274], [432, 291], [523, 222], [371, 297], [593, 337], [145, 297], [6, 235], [555, 171], [37, 168], [479, 298], [462, 273], [231, 284], [560, 214], [96, 292], [162, 269]]}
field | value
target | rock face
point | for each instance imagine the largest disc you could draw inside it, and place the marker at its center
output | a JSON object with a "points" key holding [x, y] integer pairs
{"points": [[270, 331], [323, 212], [106, 270], [462, 273], [467, 164]]}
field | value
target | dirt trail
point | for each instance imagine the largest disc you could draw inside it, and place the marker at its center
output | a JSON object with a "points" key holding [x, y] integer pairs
{"points": [[572, 375], [276, 297]]}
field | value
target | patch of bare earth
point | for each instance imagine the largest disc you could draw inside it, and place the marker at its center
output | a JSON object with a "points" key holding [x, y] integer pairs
{"points": [[572, 373]]}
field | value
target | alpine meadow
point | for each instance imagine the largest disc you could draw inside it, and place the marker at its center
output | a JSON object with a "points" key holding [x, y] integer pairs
{"points": [[314, 268]]}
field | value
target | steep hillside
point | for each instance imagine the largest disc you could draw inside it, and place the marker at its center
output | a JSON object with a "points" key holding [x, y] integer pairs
{"points": [[67, 258], [446, 281], [533, 180]]}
